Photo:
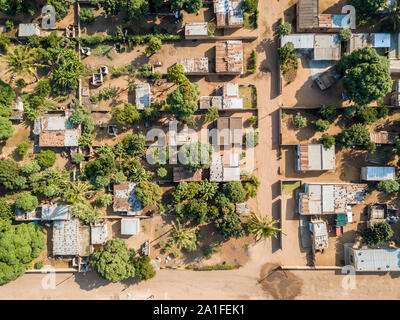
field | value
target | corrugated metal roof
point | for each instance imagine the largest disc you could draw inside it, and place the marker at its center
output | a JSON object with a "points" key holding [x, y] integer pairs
{"points": [[328, 198], [307, 14], [376, 259], [381, 40], [300, 41], [316, 157], [130, 226], [327, 47], [378, 173]]}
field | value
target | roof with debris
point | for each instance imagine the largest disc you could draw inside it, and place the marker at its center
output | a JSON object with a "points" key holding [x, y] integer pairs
{"points": [[228, 13], [125, 200], [99, 233], [330, 198], [384, 137], [194, 65], [327, 47], [229, 57], [196, 29]]}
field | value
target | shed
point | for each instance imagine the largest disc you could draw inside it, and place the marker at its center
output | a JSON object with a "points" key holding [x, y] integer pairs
{"points": [[125, 200], [307, 14], [130, 226], [320, 234], [375, 259], [242, 208], [377, 173], [26, 30]]}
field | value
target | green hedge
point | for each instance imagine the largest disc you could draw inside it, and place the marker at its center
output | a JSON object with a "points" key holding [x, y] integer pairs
{"points": [[131, 40], [252, 63]]}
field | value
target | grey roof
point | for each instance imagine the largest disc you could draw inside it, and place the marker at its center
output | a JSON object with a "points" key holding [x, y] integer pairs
{"points": [[320, 234], [300, 41], [377, 173], [65, 238], [376, 259], [307, 14], [196, 29], [314, 157], [130, 226], [28, 29]]}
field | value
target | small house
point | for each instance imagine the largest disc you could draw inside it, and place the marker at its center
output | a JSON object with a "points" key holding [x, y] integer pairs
{"points": [[196, 30], [125, 200], [229, 57], [315, 157], [377, 173], [319, 233], [130, 227], [142, 96]]}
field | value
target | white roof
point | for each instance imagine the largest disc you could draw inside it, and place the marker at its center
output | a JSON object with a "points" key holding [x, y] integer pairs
{"points": [[55, 212], [196, 29], [130, 226], [300, 41], [231, 174], [376, 259], [233, 103], [232, 89], [71, 138], [99, 234]]}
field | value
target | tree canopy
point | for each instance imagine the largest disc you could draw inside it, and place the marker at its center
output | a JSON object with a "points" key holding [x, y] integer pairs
{"points": [[366, 75], [234, 191], [26, 201], [144, 269], [195, 155], [183, 101], [148, 193], [6, 128], [378, 233], [114, 261], [19, 245]]}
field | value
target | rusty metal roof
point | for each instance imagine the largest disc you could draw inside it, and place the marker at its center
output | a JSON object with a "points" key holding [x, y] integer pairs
{"points": [[229, 57]]}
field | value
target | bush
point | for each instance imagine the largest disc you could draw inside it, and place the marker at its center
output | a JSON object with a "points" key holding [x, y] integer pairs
{"points": [[6, 129], [328, 113], [345, 35], [4, 44], [252, 64], [6, 213], [211, 114], [26, 201], [162, 172], [376, 234], [86, 15], [22, 148], [284, 29], [234, 191], [78, 157], [356, 134], [230, 226], [383, 112], [143, 268], [300, 121], [388, 186], [350, 111], [327, 140], [253, 120], [153, 46], [148, 193], [39, 265], [46, 158], [85, 212], [367, 115], [21, 83], [43, 88], [117, 71], [321, 125]]}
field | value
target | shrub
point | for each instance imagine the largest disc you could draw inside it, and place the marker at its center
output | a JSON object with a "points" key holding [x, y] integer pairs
{"points": [[253, 120], [284, 29], [143, 268], [252, 139], [345, 35], [22, 148], [378, 233], [117, 71], [21, 83], [388, 186], [4, 44], [300, 121], [356, 134], [328, 112], [43, 88], [327, 140], [39, 265], [234, 191], [78, 157], [46, 158], [252, 64], [367, 115], [162, 172], [148, 193], [105, 200], [321, 125], [86, 15], [153, 46], [26, 201], [211, 114], [6, 129], [350, 111]]}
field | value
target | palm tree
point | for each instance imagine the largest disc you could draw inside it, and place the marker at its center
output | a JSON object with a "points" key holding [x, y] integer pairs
{"points": [[262, 227], [391, 20], [22, 61], [78, 191], [183, 237]]}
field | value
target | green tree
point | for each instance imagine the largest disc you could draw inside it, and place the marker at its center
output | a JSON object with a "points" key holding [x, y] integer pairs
{"points": [[7, 95], [67, 69], [376, 234], [230, 226], [356, 134], [390, 22], [114, 261], [26, 201], [196, 210], [176, 74], [211, 114], [5, 210], [127, 116], [111, 6], [183, 101], [366, 75], [85, 212], [327, 140], [4, 44], [78, 157], [328, 112], [345, 35], [208, 189], [162, 172], [134, 171], [183, 238], [185, 190], [22, 148], [134, 144], [367, 8], [135, 9], [19, 245], [321, 125], [9, 173], [21, 83], [105, 200], [148, 193], [284, 29], [234, 191], [388, 186], [370, 146], [46, 158], [31, 167], [193, 6], [86, 15], [143, 268], [79, 191], [367, 115], [253, 120], [300, 121], [154, 45], [262, 227], [6, 129], [22, 61], [195, 155]]}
